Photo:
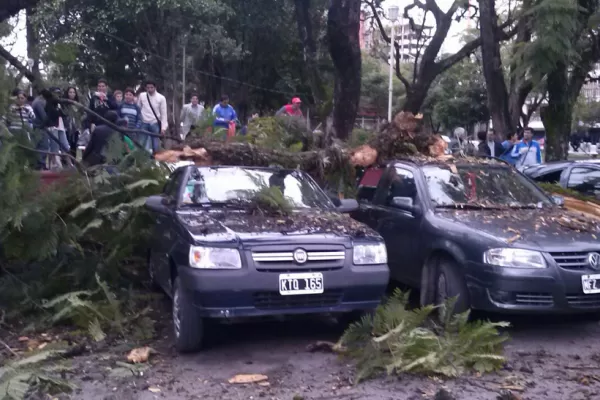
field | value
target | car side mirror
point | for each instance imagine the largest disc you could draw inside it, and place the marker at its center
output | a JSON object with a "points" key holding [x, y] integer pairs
{"points": [[335, 200], [158, 204], [558, 200], [347, 205], [167, 201], [405, 203]]}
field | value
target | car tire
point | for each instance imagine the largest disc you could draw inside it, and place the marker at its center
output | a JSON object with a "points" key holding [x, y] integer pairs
{"points": [[449, 283], [188, 325]]}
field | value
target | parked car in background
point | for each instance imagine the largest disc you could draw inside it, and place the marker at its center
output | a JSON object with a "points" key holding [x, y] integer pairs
{"points": [[221, 257], [581, 176], [478, 229]]}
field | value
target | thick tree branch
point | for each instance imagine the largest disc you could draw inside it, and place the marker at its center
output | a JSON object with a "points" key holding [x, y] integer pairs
{"points": [[471, 46], [17, 64]]}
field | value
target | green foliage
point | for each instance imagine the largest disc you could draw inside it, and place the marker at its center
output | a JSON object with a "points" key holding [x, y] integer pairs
{"points": [[22, 377], [458, 97], [395, 340], [586, 112], [375, 86], [279, 133], [554, 188], [60, 247]]}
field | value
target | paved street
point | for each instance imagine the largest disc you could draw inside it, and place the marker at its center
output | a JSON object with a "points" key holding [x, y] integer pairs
{"points": [[549, 358]]}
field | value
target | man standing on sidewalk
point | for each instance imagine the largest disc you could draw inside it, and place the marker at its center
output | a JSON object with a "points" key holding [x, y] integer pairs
{"points": [[154, 116], [190, 114]]}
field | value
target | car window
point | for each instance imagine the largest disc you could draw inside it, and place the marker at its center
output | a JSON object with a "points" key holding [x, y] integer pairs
{"points": [[584, 180], [395, 182], [550, 177], [402, 185], [482, 186]]}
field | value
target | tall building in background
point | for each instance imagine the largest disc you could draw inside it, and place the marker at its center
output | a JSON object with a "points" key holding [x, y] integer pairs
{"points": [[372, 43]]}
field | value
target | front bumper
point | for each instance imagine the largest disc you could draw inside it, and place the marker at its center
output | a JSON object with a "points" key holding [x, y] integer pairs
{"points": [[548, 290], [251, 293]]}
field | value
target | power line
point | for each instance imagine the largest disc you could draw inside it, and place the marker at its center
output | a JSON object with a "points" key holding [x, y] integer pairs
{"points": [[133, 45]]}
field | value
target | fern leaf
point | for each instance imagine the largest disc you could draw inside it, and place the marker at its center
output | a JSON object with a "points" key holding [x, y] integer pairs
{"points": [[95, 330]]}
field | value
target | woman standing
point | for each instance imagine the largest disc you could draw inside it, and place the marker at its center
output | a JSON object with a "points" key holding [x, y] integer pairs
{"points": [[19, 119], [74, 118]]}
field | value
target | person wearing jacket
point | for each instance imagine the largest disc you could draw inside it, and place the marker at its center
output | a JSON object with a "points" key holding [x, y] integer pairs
{"points": [[527, 151], [488, 146], [19, 119], [508, 145], [130, 111], [100, 103], [190, 115], [224, 113], [73, 120]]}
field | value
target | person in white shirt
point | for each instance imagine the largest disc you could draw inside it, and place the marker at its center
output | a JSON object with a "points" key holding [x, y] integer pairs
{"points": [[190, 115], [154, 116]]}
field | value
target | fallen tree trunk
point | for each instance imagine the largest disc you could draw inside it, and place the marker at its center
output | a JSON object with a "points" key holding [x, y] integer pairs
{"points": [[401, 138]]}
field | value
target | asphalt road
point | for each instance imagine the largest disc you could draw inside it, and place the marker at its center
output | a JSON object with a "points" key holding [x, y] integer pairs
{"points": [[550, 358]]}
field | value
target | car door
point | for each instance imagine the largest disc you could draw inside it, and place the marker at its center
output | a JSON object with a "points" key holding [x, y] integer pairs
{"points": [[164, 235], [585, 180], [398, 226]]}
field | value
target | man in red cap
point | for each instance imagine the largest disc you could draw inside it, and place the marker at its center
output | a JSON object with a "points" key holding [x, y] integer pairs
{"points": [[292, 110]]}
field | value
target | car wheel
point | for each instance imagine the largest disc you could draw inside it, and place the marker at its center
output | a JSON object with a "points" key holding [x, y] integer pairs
{"points": [[449, 283], [187, 324]]}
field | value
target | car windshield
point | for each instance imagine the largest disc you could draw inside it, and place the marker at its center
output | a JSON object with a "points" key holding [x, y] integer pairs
{"points": [[481, 186], [232, 185]]}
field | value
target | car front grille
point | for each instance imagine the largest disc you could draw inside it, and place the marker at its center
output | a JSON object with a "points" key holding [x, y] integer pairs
{"points": [[571, 260], [318, 260], [275, 301], [534, 299], [584, 300]]}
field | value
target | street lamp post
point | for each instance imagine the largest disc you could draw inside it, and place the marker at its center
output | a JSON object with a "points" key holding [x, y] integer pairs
{"points": [[30, 62], [392, 16]]}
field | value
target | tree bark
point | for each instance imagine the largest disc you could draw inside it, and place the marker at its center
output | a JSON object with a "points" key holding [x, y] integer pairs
{"points": [[557, 115], [305, 31], [343, 23], [497, 94], [33, 49]]}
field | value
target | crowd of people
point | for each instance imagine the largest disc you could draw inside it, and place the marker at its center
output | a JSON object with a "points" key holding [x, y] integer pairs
{"points": [[518, 149], [67, 127]]}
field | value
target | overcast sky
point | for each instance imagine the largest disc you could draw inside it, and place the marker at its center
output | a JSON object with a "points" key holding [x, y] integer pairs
{"points": [[17, 44]]}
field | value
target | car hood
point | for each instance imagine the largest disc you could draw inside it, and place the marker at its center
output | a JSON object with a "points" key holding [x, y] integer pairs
{"points": [[224, 225], [545, 229]]}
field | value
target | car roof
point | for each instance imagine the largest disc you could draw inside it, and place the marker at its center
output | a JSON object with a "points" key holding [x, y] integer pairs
{"points": [[423, 161]]}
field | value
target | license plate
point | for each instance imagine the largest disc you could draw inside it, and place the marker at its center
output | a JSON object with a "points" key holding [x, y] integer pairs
{"points": [[305, 283], [590, 284]]}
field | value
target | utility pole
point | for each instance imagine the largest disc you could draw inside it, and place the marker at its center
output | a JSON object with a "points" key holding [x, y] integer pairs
{"points": [[392, 16], [183, 73]]}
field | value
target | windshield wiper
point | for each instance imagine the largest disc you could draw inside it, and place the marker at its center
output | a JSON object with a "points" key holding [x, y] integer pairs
{"points": [[468, 206]]}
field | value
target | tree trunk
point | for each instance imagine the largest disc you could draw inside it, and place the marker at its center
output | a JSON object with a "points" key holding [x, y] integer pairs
{"points": [[305, 31], [492, 68], [416, 95], [33, 50], [343, 23]]}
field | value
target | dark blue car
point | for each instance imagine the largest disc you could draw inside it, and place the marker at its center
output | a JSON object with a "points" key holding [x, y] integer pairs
{"points": [[220, 253]]}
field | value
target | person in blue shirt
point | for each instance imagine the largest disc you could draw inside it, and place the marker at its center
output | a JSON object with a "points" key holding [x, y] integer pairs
{"points": [[508, 145], [224, 113], [527, 151]]}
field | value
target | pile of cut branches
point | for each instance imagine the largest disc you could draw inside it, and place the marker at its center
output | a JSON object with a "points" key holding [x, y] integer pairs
{"points": [[398, 340]]}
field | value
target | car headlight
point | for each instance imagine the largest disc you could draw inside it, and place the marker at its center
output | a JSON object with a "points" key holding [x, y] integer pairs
{"points": [[214, 258], [366, 254], [514, 258]]}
